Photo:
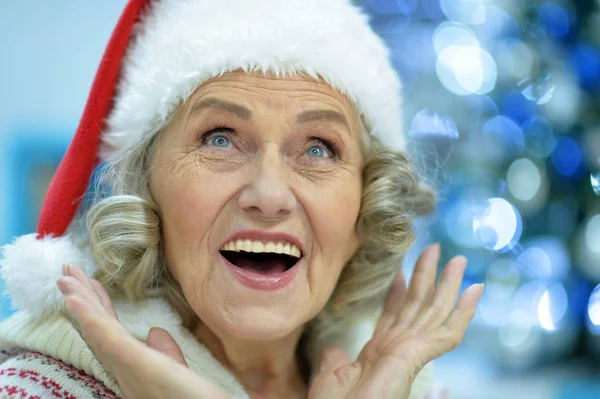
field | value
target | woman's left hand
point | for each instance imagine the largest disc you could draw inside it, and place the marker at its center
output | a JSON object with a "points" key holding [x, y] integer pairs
{"points": [[156, 369], [418, 325]]}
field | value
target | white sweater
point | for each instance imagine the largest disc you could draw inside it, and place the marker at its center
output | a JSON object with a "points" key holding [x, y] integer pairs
{"points": [[57, 338]]}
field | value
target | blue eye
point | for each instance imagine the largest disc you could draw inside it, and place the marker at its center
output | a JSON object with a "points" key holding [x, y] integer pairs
{"points": [[220, 141], [317, 151]]}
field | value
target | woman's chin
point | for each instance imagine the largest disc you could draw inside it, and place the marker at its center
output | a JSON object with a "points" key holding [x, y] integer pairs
{"points": [[261, 324]]}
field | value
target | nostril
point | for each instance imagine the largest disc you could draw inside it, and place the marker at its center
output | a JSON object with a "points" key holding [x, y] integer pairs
{"points": [[266, 214], [267, 196]]}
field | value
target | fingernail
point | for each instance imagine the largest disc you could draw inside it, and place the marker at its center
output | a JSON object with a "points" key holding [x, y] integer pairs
{"points": [[434, 250], [461, 260], [476, 288], [65, 284], [60, 285], [66, 270]]}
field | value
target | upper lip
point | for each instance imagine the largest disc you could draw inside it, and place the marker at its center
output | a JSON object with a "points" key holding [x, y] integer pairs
{"points": [[265, 236]]}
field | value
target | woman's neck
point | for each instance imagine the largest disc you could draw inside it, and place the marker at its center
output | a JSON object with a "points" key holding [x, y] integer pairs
{"points": [[267, 369]]}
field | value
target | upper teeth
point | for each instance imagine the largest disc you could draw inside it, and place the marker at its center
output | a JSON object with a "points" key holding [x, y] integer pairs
{"points": [[281, 247]]}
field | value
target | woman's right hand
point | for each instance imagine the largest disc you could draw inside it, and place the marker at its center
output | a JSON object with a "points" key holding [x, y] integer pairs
{"points": [[155, 370]]}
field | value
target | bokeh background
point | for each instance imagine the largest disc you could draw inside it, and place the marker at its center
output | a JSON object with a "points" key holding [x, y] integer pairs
{"points": [[502, 107]]}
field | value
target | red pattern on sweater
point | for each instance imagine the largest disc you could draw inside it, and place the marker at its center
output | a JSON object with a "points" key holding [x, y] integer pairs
{"points": [[14, 392], [90, 382], [53, 388]]}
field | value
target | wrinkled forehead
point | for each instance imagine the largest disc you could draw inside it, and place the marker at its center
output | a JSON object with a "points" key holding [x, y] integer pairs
{"points": [[240, 92]]}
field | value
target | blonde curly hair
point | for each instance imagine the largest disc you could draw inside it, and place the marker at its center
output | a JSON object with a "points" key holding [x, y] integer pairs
{"points": [[123, 232]]}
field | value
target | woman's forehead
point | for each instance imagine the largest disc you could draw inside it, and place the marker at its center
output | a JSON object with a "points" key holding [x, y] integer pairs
{"points": [[286, 90]]}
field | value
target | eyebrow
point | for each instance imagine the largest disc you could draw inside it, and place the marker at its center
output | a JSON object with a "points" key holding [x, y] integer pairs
{"points": [[245, 113], [239, 110], [323, 115]]}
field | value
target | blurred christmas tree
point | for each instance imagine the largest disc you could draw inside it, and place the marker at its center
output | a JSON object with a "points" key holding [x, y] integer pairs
{"points": [[503, 109]]}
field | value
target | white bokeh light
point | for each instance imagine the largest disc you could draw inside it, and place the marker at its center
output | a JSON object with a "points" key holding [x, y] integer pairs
{"points": [[471, 12], [595, 182], [497, 224], [516, 329], [552, 307], [465, 70], [515, 58], [427, 123], [523, 179], [545, 258], [539, 90], [594, 311], [592, 234], [565, 103], [498, 23], [536, 262], [449, 34], [502, 279], [587, 248]]}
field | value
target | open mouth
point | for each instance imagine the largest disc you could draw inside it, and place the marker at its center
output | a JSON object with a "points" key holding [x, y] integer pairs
{"points": [[268, 264]]}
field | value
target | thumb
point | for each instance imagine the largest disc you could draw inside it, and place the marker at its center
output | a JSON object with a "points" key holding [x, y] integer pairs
{"points": [[161, 341], [332, 359]]}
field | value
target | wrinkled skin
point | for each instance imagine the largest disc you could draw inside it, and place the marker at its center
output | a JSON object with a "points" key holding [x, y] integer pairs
{"points": [[255, 152], [249, 151], [417, 326]]}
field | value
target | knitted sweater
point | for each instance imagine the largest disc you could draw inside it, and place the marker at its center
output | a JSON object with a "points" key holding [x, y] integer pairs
{"points": [[47, 358], [29, 375]]}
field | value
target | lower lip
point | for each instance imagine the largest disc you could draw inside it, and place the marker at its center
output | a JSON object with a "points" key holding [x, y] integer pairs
{"points": [[260, 281]]}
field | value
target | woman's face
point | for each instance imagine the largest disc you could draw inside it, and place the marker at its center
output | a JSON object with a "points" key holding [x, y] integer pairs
{"points": [[249, 167]]}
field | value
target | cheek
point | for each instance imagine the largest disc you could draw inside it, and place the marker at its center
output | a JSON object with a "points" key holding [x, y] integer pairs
{"points": [[333, 213], [187, 214]]}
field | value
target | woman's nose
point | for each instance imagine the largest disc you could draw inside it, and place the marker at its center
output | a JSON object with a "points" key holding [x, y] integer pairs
{"points": [[268, 194]]}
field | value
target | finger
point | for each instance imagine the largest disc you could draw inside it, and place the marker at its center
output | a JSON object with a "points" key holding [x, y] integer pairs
{"points": [[107, 338], [162, 341], [462, 314], [70, 286], [104, 298], [87, 288], [80, 275], [332, 359], [103, 335], [393, 304], [133, 363], [445, 295], [421, 286]]}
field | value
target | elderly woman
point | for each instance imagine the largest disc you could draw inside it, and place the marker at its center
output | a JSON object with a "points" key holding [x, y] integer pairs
{"points": [[252, 213]]}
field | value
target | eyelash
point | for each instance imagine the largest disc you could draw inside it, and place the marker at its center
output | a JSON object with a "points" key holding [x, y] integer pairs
{"points": [[219, 129], [330, 145]]}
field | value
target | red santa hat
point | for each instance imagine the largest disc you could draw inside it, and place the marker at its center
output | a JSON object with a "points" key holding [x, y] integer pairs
{"points": [[159, 53]]}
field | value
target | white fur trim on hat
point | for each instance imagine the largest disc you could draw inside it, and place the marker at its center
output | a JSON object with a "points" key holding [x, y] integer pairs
{"points": [[182, 43], [30, 267]]}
